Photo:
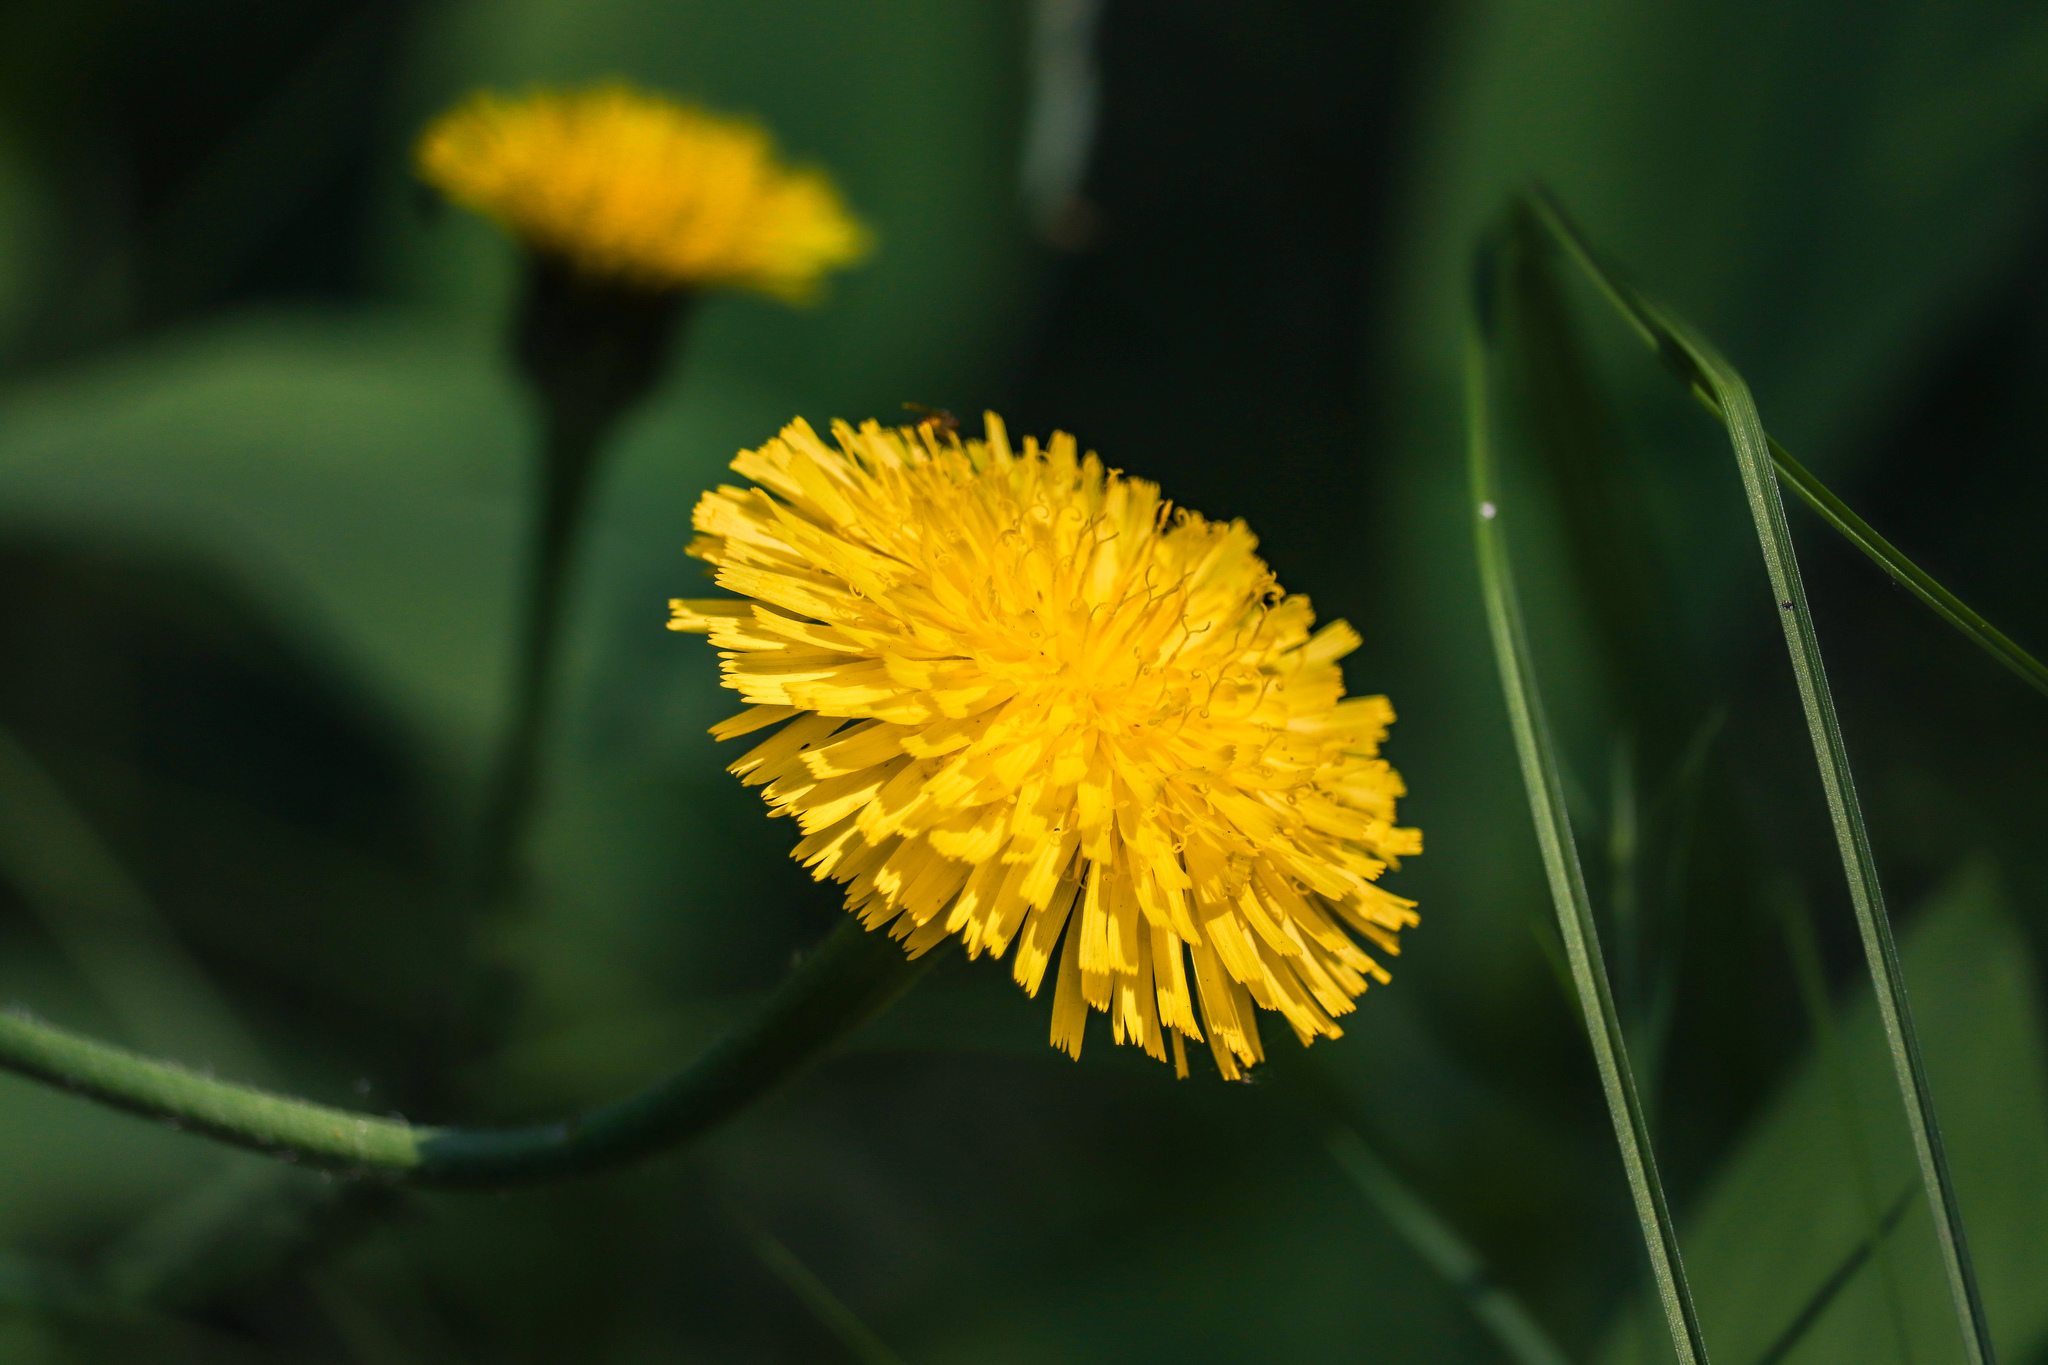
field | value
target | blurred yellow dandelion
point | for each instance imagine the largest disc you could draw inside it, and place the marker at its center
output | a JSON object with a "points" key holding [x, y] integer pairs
{"points": [[1021, 694], [628, 185]]}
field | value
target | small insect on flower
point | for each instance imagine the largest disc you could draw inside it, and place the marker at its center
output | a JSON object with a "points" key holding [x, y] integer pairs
{"points": [[1021, 696], [630, 186], [946, 422]]}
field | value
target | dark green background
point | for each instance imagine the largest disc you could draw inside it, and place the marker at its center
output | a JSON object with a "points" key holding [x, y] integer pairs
{"points": [[261, 471]]}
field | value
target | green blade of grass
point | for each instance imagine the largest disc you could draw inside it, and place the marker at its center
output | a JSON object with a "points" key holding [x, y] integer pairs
{"points": [[1448, 1253], [1653, 325], [1824, 728], [1544, 389], [1802, 1322], [832, 1313], [1561, 863], [1726, 392], [1813, 991], [106, 923], [1908, 575]]}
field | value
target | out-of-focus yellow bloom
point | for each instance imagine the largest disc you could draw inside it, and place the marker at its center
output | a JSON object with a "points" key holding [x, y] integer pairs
{"points": [[634, 187], [1020, 694]]}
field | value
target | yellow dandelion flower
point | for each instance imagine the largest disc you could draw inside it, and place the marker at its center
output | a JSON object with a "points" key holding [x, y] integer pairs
{"points": [[632, 186], [1021, 695]]}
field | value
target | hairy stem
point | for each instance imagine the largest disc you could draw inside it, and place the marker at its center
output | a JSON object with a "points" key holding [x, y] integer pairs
{"points": [[849, 979]]}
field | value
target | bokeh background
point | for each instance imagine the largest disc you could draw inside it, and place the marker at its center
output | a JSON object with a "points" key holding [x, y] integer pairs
{"points": [[262, 470]]}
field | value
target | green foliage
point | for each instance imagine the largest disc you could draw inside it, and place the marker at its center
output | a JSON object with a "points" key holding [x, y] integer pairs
{"points": [[1537, 750], [263, 474], [1786, 1207]]}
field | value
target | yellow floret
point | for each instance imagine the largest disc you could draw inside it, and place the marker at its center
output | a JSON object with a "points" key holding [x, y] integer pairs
{"points": [[634, 187], [1027, 701]]}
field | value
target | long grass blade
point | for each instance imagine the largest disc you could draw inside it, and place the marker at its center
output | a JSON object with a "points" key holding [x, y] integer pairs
{"points": [[107, 924], [1716, 380], [1567, 879], [830, 1311], [1905, 572], [1803, 1321], [1679, 803], [1566, 434], [1449, 1254], [1652, 324], [1813, 992]]}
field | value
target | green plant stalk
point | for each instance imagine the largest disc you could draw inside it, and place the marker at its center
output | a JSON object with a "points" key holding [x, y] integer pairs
{"points": [[831, 1312], [1652, 325], [1813, 992], [1824, 728], [1567, 879], [591, 351], [1708, 374], [570, 460], [1448, 1253], [849, 979], [106, 923], [1904, 571], [1874, 1243]]}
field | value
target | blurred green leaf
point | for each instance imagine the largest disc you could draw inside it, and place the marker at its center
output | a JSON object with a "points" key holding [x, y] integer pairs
{"points": [[1880, 1221], [830, 1311], [1875, 1243], [1821, 205], [107, 925], [27, 229], [1447, 1252], [1787, 1209], [361, 476], [1712, 381], [1750, 156]]}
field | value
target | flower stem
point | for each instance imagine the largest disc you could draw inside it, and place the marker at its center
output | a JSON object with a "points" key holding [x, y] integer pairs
{"points": [[849, 979], [570, 457], [591, 350]]}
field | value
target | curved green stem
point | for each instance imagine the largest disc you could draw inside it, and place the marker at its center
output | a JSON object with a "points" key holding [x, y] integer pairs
{"points": [[849, 979]]}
